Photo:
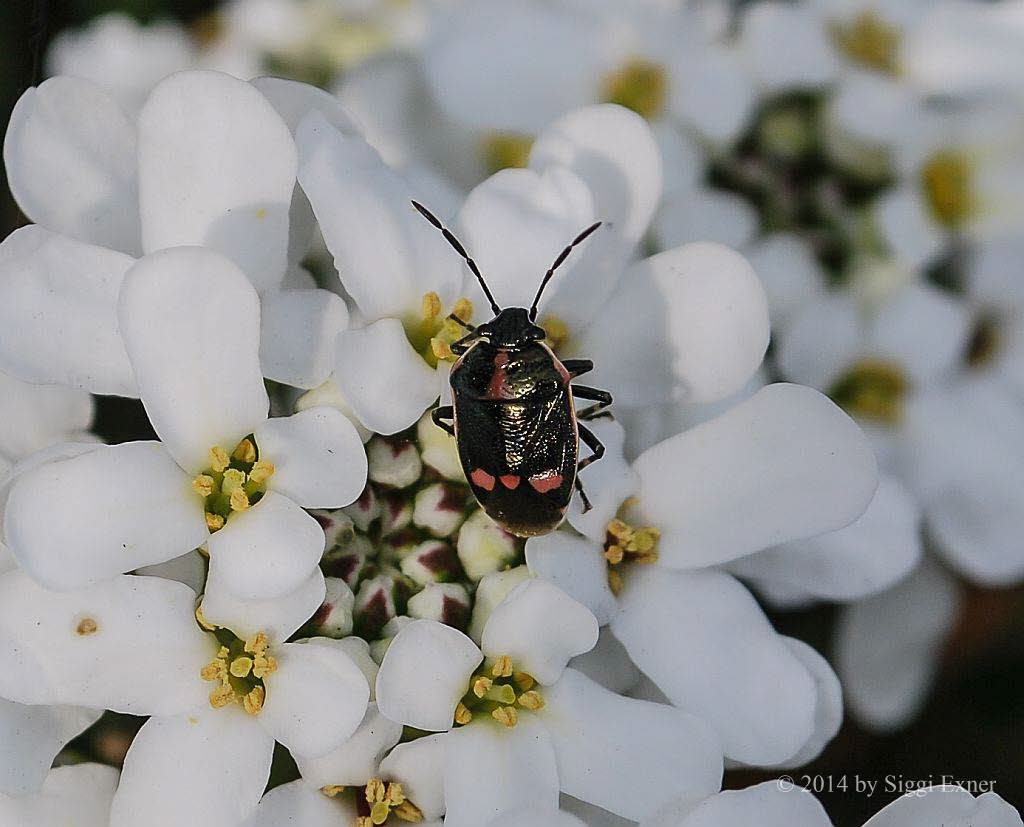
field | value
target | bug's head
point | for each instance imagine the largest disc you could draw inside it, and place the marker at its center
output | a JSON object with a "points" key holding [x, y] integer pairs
{"points": [[512, 328]]}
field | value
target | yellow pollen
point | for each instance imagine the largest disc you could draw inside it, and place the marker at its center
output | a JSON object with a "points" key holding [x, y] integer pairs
{"points": [[263, 665], [202, 621], [87, 626], [481, 685], [214, 522], [869, 41], [203, 485], [257, 644], [614, 555], [506, 715], [219, 459], [222, 696], [625, 543], [557, 331], [407, 811], [531, 700], [233, 481], [946, 179], [462, 714], [239, 500], [872, 389], [505, 150], [375, 790], [261, 471], [640, 85], [502, 667], [245, 451], [332, 790], [431, 305], [253, 702], [241, 667]]}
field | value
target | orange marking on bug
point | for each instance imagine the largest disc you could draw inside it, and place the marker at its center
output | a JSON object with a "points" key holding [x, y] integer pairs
{"points": [[510, 481], [482, 479], [542, 483], [497, 388]]}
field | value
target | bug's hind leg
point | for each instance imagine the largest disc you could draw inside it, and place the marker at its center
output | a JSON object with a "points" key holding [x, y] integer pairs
{"points": [[439, 415], [597, 451], [577, 367], [602, 400]]}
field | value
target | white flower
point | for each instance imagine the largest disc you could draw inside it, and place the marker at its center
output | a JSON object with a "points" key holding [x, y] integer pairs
{"points": [[950, 805], [224, 476], [209, 162], [34, 417], [132, 644], [79, 794], [517, 726], [769, 804], [785, 464]]}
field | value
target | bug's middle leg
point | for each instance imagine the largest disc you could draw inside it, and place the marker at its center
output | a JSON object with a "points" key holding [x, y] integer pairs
{"points": [[442, 413], [577, 367], [597, 451], [602, 400]]}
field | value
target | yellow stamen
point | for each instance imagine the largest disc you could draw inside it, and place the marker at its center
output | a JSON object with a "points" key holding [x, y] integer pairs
{"points": [[219, 459], [332, 790], [241, 667], [253, 702], [375, 790], [233, 481], [557, 331], [506, 715], [531, 700], [502, 667], [407, 811], [868, 40], [872, 389], [481, 685], [614, 554], [263, 665], [523, 681], [395, 794], [639, 85], [614, 581], [505, 150], [239, 500], [213, 671], [202, 621], [245, 451], [947, 179], [463, 310], [214, 522], [431, 305], [203, 485], [222, 696], [257, 644], [261, 472], [462, 714]]}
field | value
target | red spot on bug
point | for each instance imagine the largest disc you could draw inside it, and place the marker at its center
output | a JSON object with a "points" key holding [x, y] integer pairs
{"points": [[542, 483], [510, 481], [497, 388], [482, 479]]}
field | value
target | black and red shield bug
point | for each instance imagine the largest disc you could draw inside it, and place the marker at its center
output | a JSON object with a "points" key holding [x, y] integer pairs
{"points": [[513, 415]]}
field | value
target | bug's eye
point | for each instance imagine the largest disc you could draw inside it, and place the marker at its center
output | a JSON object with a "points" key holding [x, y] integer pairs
{"points": [[536, 333]]}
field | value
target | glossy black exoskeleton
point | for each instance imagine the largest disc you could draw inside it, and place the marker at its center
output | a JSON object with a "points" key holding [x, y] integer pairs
{"points": [[513, 414]]}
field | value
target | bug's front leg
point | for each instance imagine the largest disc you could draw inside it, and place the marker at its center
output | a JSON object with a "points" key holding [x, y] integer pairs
{"points": [[597, 451], [602, 399], [577, 367], [442, 413], [465, 343]]}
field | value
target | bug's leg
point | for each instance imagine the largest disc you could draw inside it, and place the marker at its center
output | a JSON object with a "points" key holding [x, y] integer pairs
{"points": [[439, 415], [601, 398], [577, 367], [597, 448], [463, 344], [583, 496], [466, 325]]}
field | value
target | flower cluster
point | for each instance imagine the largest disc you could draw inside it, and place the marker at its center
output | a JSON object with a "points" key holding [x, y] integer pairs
{"points": [[296, 564]]}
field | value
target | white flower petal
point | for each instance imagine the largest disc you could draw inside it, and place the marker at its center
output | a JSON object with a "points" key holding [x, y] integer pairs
{"points": [[689, 323], [750, 688], [705, 214], [490, 769], [129, 644], [516, 223], [32, 736], [769, 804], [904, 220], [70, 157], [787, 46], [608, 664], [828, 714], [293, 101], [267, 551], [426, 648], [37, 416], [318, 457], [788, 271], [315, 700], [613, 150], [298, 330], [209, 766], [111, 510], [278, 618], [483, 77], [354, 762], [58, 311], [784, 464], [608, 483], [576, 566], [191, 324], [948, 805], [869, 555], [299, 804], [888, 646], [712, 93], [79, 794], [373, 363], [821, 340], [419, 767], [189, 569], [531, 816], [540, 628], [216, 168], [387, 254], [625, 755]]}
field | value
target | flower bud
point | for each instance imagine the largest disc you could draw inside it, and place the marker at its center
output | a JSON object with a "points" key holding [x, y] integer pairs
{"points": [[374, 605], [348, 561], [393, 462], [364, 510], [337, 525], [334, 617], [431, 562], [447, 603], [440, 508], [484, 546], [438, 450], [395, 512]]}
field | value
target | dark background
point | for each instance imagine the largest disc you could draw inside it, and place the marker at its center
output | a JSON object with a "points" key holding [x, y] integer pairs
{"points": [[973, 724]]}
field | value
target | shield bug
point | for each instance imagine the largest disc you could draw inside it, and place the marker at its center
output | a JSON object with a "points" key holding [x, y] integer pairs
{"points": [[513, 415]]}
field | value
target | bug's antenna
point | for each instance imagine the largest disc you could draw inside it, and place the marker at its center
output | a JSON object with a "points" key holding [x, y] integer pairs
{"points": [[427, 214], [558, 261]]}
